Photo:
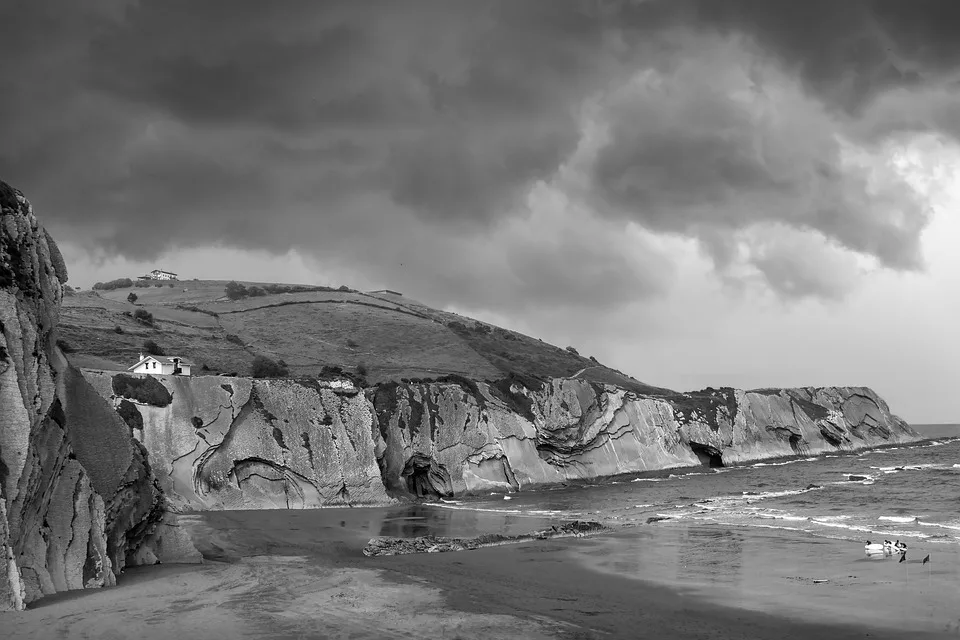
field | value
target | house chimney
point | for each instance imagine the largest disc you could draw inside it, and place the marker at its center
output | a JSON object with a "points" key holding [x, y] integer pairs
{"points": [[139, 356]]}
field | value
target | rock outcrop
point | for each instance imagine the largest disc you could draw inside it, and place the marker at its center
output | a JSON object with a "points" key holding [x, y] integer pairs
{"points": [[78, 499], [232, 443], [391, 546]]}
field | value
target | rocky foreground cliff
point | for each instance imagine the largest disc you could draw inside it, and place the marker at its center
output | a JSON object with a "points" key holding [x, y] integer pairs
{"points": [[235, 443], [78, 499]]}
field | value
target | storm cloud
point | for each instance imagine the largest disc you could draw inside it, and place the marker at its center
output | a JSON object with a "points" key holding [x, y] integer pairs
{"points": [[508, 154]]}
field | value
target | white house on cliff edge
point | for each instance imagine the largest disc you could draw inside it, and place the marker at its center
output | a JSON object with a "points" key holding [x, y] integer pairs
{"points": [[162, 365]]}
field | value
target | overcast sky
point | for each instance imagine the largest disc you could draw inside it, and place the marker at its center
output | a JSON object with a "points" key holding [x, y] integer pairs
{"points": [[725, 192]]}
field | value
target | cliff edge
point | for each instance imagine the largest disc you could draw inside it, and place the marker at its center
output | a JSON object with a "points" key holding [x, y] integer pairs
{"points": [[78, 499], [235, 443]]}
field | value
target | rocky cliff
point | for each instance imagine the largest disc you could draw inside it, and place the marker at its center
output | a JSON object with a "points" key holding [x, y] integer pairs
{"points": [[234, 443], [228, 442], [78, 499]]}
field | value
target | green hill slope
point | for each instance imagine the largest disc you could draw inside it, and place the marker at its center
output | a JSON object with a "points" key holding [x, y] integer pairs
{"points": [[388, 336]]}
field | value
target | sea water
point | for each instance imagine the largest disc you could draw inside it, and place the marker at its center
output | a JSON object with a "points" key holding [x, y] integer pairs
{"points": [[907, 492], [781, 536]]}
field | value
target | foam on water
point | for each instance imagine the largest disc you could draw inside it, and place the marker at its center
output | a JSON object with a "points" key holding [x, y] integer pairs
{"points": [[913, 493]]}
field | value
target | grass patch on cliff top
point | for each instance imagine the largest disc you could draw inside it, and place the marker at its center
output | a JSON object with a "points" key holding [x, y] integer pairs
{"points": [[391, 337]]}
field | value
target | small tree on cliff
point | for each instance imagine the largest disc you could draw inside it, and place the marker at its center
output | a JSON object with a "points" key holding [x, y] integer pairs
{"points": [[153, 348], [264, 367]]}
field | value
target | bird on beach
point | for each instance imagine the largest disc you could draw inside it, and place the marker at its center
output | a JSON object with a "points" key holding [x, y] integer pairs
{"points": [[926, 560]]}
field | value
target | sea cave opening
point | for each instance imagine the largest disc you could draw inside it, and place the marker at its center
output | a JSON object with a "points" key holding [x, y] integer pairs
{"points": [[425, 478], [708, 456]]}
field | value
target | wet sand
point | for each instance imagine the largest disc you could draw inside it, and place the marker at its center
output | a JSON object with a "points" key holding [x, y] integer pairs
{"points": [[301, 574]]}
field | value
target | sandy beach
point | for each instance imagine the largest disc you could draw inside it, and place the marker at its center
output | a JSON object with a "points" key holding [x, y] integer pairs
{"points": [[301, 574]]}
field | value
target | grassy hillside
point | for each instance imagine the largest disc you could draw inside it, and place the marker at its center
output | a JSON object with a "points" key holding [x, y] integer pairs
{"points": [[387, 336]]}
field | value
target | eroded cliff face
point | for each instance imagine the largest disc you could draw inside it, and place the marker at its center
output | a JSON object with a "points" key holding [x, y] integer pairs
{"points": [[230, 443], [236, 443], [77, 497], [448, 439]]}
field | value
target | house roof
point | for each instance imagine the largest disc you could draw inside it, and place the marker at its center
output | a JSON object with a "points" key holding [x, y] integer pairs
{"points": [[161, 360], [169, 273]]}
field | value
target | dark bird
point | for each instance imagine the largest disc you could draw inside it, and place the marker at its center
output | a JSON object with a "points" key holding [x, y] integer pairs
{"points": [[926, 560], [903, 558]]}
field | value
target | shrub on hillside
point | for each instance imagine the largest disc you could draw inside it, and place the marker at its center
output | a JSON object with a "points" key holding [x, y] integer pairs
{"points": [[352, 343], [362, 369], [573, 351], [132, 298], [118, 329], [146, 389], [255, 292], [330, 371], [264, 367], [158, 285], [153, 348], [235, 290], [144, 316], [235, 339], [142, 283], [119, 283], [130, 414], [344, 288]]}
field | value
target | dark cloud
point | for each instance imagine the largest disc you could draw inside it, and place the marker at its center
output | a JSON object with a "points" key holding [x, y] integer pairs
{"points": [[724, 143], [847, 52], [364, 132]]}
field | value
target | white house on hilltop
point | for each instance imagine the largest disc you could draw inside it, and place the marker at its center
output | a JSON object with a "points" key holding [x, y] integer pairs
{"points": [[159, 274], [162, 365]]}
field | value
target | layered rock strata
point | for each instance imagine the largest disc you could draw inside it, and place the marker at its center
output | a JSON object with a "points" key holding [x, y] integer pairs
{"points": [[229, 443], [78, 499], [236, 443]]}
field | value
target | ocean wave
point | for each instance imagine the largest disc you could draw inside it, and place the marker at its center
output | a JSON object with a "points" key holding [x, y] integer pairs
{"points": [[900, 519], [783, 516], [842, 525], [826, 519], [533, 513], [943, 525], [939, 442], [648, 479]]}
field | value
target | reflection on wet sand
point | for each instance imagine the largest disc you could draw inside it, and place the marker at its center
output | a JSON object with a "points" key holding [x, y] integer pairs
{"points": [[776, 572], [412, 521], [707, 551], [228, 535]]}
